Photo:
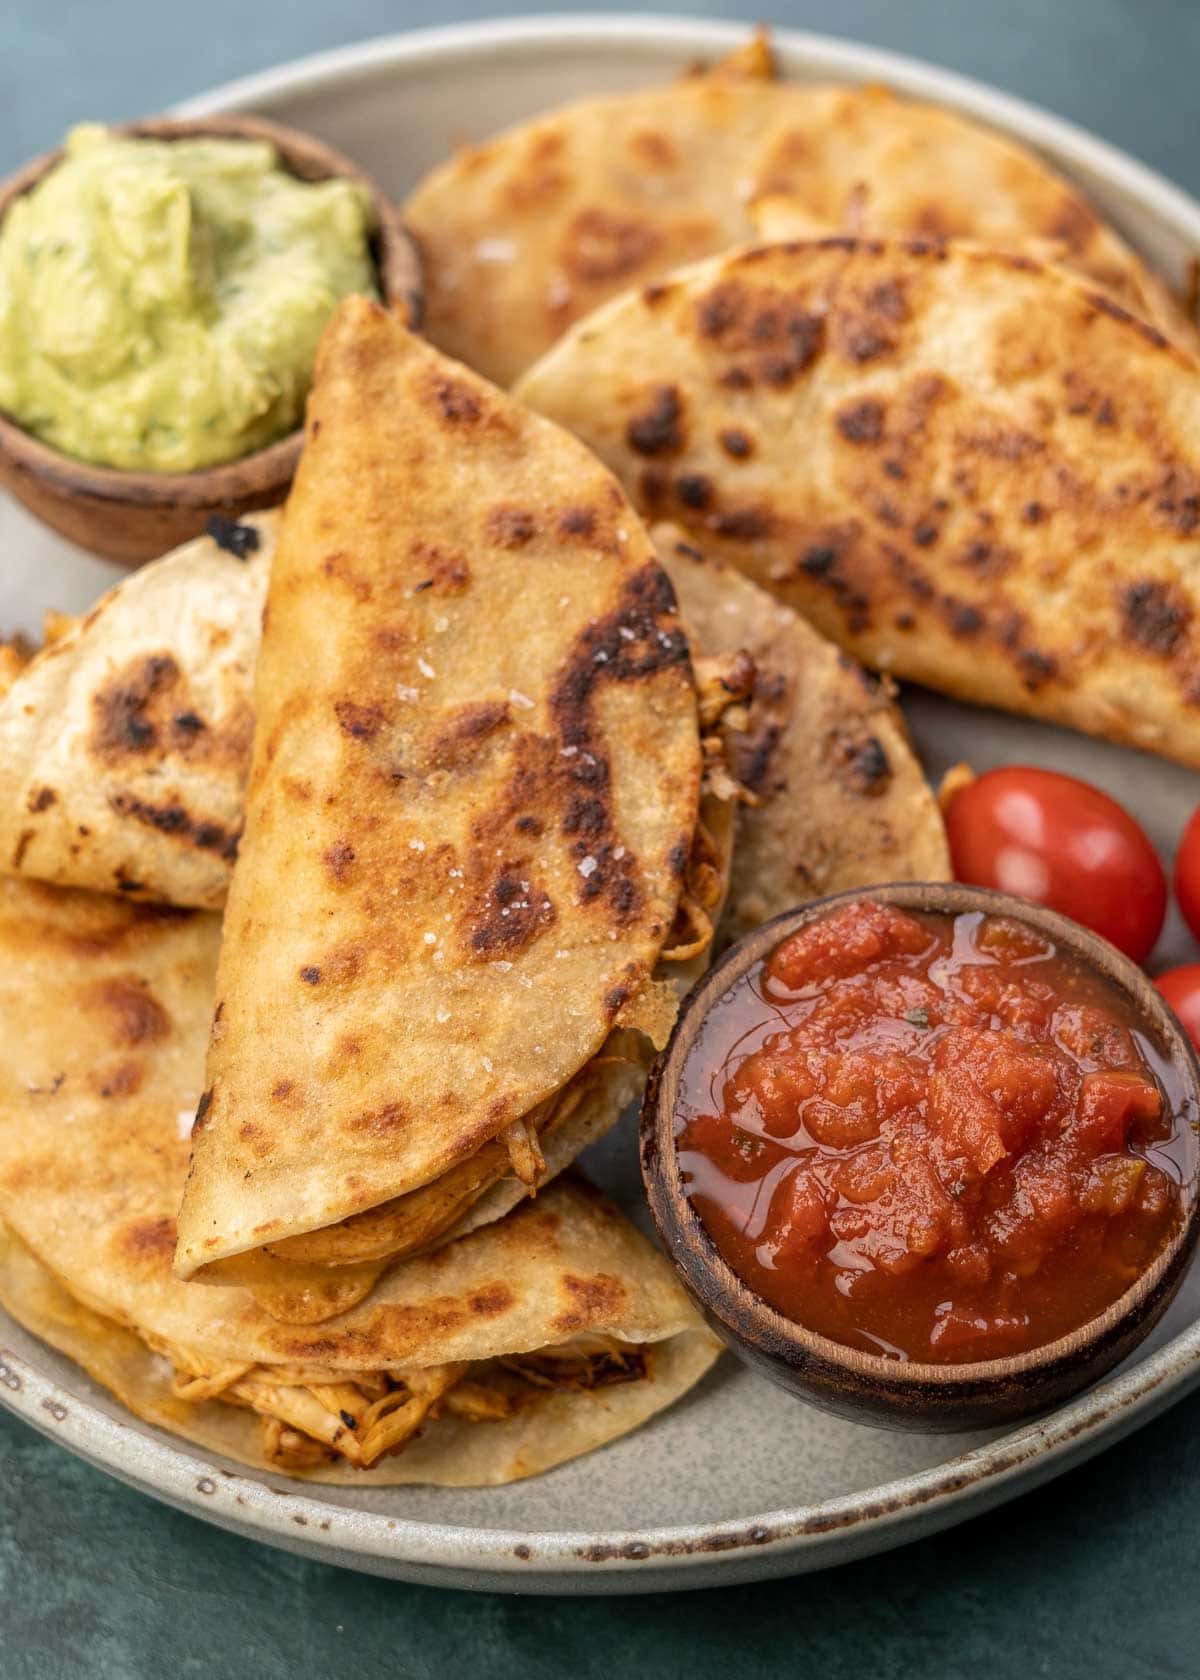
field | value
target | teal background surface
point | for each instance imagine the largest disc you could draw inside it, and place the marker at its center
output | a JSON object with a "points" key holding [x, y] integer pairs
{"points": [[1094, 1576]]}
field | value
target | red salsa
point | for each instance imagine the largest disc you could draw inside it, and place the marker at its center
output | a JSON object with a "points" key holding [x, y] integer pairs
{"points": [[934, 1137]]}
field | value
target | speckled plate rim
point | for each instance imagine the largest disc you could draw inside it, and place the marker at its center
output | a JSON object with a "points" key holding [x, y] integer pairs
{"points": [[776, 1542]]}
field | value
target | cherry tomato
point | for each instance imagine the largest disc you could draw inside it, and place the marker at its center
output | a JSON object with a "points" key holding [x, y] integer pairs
{"points": [[1063, 843], [1187, 873], [1181, 988]]}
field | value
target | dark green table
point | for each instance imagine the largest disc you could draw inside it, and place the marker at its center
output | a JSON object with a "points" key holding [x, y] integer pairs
{"points": [[1092, 1577]]}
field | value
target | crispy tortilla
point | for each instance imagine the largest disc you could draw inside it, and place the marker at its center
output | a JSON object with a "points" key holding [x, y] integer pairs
{"points": [[841, 799], [124, 744], [471, 806], [529, 231], [965, 468], [93, 1151]]}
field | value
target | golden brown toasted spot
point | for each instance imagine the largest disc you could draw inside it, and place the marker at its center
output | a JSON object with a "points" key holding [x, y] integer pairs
{"points": [[338, 859], [492, 1300], [282, 1089], [652, 149], [389, 1117], [454, 400], [510, 527], [456, 743], [577, 522], [21, 847], [122, 1079], [362, 723], [40, 799], [149, 1239], [591, 1298], [599, 245], [135, 1014], [447, 571], [341, 570]]}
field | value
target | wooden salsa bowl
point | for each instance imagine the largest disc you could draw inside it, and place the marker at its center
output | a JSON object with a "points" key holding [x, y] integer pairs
{"points": [[870, 1388], [135, 516]]}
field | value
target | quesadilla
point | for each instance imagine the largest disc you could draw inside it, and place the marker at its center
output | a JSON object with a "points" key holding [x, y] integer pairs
{"points": [[125, 743], [533, 1340], [531, 230], [472, 801], [966, 468], [838, 798]]}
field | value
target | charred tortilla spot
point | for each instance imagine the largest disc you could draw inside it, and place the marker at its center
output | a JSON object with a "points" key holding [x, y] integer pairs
{"points": [[511, 527], [1153, 617], [638, 640], [616, 1000], [188, 725], [577, 522], [509, 915], [965, 620], [694, 490], [782, 337], [888, 298], [362, 723], [818, 562], [529, 825], [122, 727], [1033, 513], [861, 422], [677, 858], [1105, 305], [656, 430], [861, 341], [600, 246], [135, 1014], [310, 975], [455, 400], [1036, 668], [40, 799], [177, 824], [925, 534], [861, 763], [234, 537], [736, 443], [585, 814], [202, 1112], [338, 860], [745, 524]]}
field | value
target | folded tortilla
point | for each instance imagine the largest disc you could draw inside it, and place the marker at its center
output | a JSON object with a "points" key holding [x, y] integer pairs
{"points": [[529, 231], [839, 799], [966, 468], [472, 801], [125, 743], [521, 1345]]}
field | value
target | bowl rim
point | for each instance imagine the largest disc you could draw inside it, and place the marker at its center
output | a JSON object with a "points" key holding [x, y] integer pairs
{"points": [[737, 1306], [397, 269]]}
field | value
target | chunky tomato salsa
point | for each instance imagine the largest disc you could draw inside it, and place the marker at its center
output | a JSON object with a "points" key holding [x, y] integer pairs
{"points": [[933, 1137]]}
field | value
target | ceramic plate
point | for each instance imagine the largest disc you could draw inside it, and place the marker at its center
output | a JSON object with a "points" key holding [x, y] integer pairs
{"points": [[739, 1481]]}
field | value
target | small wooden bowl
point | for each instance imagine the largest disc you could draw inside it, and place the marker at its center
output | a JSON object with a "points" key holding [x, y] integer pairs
{"points": [[135, 516], [867, 1387]]}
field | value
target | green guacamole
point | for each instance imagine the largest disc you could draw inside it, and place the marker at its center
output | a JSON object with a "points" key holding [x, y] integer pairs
{"points": [[161, 301]]}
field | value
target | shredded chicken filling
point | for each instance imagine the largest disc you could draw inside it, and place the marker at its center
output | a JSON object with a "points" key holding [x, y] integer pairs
{"points": [[313, 1416]]}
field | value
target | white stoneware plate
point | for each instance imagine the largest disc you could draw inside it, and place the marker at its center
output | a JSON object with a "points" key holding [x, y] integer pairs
{"points": [[740, 1481]]}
